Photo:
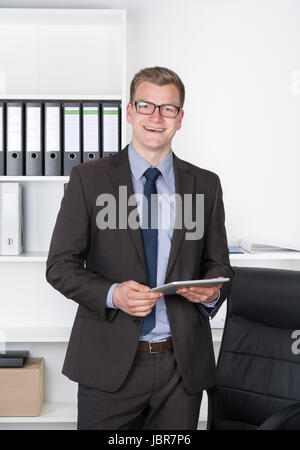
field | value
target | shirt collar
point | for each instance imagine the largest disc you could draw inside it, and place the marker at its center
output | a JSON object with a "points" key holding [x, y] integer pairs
{"points": [[139, 165]]}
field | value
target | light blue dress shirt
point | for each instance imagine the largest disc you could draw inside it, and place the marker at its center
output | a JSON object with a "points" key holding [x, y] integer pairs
{"points": [[165, 184]]}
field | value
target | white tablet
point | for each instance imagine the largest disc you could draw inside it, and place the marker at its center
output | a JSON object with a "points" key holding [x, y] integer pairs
{"points": [[171, 288]]}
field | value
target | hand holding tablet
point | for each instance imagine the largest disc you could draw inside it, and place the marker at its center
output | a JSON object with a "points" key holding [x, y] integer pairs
{"points": [[171, 288]]}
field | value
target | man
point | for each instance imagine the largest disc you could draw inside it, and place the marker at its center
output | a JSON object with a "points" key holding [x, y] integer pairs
{"points": [[141, 359]]}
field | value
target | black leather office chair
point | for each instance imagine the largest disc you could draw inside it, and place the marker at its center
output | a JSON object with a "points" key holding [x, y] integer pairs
{"points": [[258, 369]]}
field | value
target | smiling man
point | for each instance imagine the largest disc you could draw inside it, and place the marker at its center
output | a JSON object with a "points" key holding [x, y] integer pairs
{"points": [[141, 359], [152, 133]]}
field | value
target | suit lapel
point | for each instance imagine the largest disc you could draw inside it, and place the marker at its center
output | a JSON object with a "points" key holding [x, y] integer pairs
{"points": [[121, 176], [184, 184]]}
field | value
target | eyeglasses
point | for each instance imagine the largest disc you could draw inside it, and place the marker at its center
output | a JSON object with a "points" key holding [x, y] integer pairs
{"points": [[148, 108]]}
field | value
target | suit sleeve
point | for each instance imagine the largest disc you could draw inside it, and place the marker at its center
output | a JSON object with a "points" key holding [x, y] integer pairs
{"points": [[215, 259], [65, 267]]}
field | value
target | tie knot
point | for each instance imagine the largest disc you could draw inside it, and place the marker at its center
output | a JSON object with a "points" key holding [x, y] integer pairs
{"points": [[152, 173]]}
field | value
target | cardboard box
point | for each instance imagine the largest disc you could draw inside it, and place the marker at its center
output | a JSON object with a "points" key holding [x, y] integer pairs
{"points": [[22, 389]]}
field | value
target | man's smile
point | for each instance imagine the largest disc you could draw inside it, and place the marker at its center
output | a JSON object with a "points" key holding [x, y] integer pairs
{"points": [[154, 129]]}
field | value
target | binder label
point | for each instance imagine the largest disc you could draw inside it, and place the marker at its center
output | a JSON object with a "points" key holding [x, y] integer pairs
{"points": [[72, 124], [91, 129], [52, 129], [110, 129], [14, 124], [33, 129]]}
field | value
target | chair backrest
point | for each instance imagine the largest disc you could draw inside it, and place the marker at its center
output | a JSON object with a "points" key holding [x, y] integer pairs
{"points": [[258, 369]]}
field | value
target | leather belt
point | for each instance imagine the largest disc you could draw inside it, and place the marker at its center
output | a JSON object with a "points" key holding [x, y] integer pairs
{"points": [[155, 347]]}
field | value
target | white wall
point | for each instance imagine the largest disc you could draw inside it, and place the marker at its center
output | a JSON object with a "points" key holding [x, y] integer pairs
{"points": [[239, 60]]}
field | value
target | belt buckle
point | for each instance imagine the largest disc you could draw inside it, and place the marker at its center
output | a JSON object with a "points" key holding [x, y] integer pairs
{"points": [[150, 348]]}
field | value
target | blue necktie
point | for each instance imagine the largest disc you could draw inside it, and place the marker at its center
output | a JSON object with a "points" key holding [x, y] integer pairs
{"points": [[150, 242]]}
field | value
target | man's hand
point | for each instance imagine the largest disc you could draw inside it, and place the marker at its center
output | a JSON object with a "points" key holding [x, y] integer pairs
{"points": [[134, 298], [198, 294]]}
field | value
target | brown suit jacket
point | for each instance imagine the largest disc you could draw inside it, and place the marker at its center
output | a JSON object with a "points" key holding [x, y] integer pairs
{"points": [[85, 261]]}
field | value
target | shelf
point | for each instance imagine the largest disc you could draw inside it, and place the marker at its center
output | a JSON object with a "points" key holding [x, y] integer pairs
{"points": [[41, 97], [266, 255], [63, 17], [58, 334], [42, 256], [6, 178], [56, 412], [26, 257], [36, 334]]}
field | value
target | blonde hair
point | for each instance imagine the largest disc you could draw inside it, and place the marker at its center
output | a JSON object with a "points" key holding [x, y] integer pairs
{"points": [[159, 76]]}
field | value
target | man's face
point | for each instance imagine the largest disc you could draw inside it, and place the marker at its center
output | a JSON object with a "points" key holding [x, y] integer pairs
{"points": [[166, 128]]}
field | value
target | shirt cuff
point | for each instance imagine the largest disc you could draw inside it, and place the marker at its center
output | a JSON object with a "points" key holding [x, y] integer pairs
{"points": [[109, 299], [212, 304]]}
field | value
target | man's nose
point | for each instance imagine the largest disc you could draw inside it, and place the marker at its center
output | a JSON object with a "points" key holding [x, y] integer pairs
{"points": [[156, 115]]}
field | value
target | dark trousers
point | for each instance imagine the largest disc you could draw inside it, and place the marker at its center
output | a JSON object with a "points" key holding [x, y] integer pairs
{"points": [[152, 397]]}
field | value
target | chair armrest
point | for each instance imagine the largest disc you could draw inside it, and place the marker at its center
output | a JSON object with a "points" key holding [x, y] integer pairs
{"points": [[279, 418]]}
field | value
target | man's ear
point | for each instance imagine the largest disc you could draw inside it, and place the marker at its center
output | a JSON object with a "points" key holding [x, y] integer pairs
{"points": [[128, 112], [181, 114]]}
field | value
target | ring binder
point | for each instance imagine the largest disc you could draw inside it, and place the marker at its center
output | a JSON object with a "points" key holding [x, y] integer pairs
{"points": [[71, 140], [91, 131], [33, 127], [110, 128], [53, 153], [14, 139], [11, 219], [2, 141]]}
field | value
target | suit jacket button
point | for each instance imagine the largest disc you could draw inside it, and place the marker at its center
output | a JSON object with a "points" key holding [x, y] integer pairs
{"points": [[136, 322]]}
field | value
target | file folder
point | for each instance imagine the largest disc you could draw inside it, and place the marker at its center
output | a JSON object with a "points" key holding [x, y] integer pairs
{"points": [[110, 128], [2, 142], [53, 147], [14, 139], [72, 145], [91, 131], [33, 127], [11, 219]]}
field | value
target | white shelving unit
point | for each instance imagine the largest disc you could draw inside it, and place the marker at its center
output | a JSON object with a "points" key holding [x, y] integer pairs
{"points": [[46, 54]]}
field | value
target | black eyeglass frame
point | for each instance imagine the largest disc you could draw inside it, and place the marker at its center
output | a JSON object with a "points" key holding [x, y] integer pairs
{"points": [[156, 106]]}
